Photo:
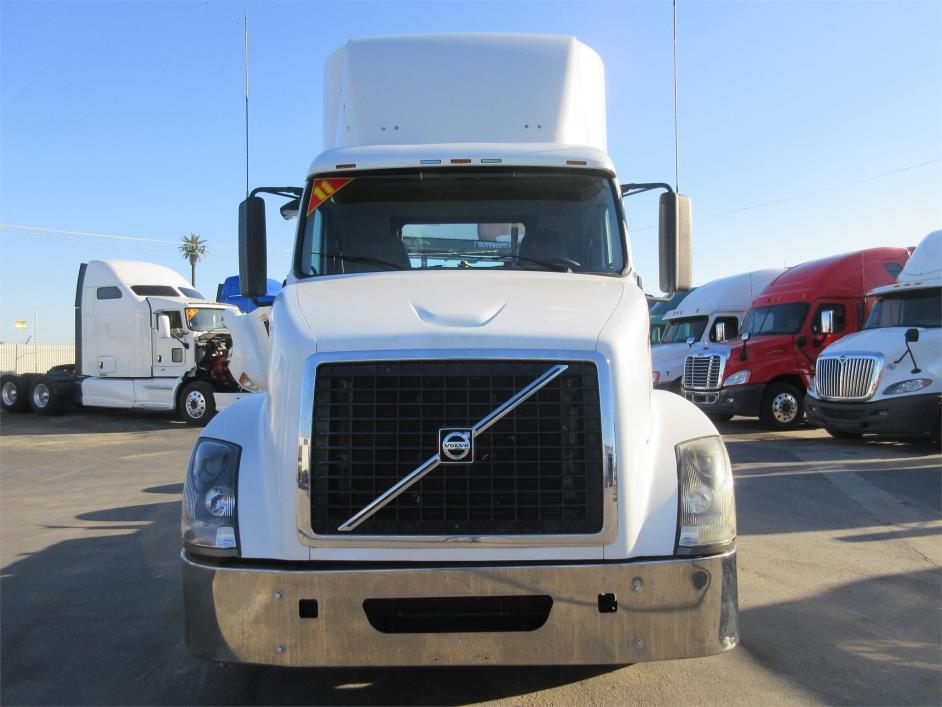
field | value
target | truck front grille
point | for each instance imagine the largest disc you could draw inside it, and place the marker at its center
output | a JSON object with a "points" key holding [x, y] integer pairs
{"points": [[538, 470], [702, 372], [846, 377]]}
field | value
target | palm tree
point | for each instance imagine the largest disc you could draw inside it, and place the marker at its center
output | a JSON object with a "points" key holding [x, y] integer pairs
{"points": [[192, 247]]}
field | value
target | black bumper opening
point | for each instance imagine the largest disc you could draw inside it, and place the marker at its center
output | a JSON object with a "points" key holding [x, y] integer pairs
{"points": [[474, 614]]}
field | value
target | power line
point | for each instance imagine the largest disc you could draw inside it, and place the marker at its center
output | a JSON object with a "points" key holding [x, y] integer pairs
{"points": [[676, 127], [804, 195], [93, 234]]}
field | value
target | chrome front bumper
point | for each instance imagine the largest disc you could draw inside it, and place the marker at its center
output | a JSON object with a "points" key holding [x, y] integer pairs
{"points": [[678, 608]]}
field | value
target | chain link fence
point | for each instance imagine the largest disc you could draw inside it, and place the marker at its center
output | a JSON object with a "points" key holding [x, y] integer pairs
{"points": [[34, 358]]}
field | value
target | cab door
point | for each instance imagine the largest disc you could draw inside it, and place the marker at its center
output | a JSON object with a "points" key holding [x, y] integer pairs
{"points": [[169, 354]]}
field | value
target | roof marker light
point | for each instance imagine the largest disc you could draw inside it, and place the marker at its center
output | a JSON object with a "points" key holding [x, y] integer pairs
{"points": [[345, 166], [430, 161], [577, 163], [463, 160], [490, 160]]}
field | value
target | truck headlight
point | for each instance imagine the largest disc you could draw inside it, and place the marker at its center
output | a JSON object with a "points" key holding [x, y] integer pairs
{"points": [[910, 386], [738, 378], [209, 522], [707, 514]]}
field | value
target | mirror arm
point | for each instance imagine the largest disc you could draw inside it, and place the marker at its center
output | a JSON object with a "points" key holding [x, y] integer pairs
{"points": [[641, 187], [286, 192]]}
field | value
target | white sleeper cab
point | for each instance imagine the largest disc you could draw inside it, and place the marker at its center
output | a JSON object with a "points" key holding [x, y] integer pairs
{"points": [[710, 313], [143, 339], [887, 378], [457, 456]]}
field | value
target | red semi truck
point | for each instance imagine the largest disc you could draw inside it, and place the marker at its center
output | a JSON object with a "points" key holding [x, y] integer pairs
{"points": [[766, 371]]}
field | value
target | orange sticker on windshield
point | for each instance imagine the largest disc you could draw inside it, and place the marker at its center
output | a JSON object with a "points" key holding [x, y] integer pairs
{"points": [[322, 190]]}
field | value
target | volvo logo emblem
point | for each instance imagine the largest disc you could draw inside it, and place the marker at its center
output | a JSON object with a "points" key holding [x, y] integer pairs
{"points": [[456, 445]]}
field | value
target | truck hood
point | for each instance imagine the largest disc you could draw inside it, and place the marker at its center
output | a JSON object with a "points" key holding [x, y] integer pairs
{"points": [[891, 342], [408, 310], [668, 359]]}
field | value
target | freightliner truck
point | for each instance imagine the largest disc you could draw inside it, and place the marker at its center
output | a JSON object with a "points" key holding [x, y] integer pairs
{"points": [[458, 457], [144, 339], [887, 378]]}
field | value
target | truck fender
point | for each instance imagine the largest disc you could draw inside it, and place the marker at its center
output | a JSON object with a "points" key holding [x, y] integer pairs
{"points": [[265, 490], [674, 420]]}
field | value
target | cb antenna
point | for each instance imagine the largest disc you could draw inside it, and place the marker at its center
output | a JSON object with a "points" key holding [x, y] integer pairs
{"points": [[245, 69], [676, 129]]}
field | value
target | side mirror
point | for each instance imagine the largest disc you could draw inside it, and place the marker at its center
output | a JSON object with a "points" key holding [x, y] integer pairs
{"points": [[253, 249], [674, 228], [163, 326], [691, 341], [827, 321], [745, 336], [912, 336], [291, 209], [720, 331]]}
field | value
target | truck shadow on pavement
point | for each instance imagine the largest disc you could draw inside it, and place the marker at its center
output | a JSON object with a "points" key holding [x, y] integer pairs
{"points": [[88, 421]]}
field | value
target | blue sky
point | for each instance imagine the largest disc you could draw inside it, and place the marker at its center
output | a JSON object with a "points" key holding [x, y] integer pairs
{"points": [[127, 119]]}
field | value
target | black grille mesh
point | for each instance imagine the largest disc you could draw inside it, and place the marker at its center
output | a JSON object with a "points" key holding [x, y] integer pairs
{"points": [[538, 470]]}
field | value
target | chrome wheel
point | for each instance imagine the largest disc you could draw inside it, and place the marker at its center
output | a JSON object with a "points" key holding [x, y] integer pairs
{"points": [[195, 404], [9, 394], [41, 395], [784, 408]]}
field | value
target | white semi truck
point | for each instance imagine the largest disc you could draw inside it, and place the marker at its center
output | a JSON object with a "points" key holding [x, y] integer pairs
{"points": [[710, 313], [144, 339], [458, 457], [887, 378]]}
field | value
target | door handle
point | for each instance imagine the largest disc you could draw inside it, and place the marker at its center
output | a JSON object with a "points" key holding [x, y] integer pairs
{"points": [[160, 358]]}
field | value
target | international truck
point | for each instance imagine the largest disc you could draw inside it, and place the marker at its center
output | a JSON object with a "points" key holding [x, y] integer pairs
{"points": [[658, 307], [457, 457], [144, 339], [887, 379], [710, 314], [765, 372]]}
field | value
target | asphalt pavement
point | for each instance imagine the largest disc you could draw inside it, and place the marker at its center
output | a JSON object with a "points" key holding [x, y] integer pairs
{"points": [[840, 548]]}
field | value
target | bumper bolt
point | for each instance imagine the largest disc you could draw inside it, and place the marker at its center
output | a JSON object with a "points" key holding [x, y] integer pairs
{"points": [[639, 644], [281, 648], [636, 586], [279, 594]]}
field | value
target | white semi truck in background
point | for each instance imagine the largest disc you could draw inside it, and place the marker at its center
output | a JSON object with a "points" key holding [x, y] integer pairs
{"points": [[710, 313], [887, 378], [458, 457], [144, 339]]}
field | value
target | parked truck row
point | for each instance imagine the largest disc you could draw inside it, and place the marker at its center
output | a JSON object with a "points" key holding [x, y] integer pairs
{"points": [[821, 335]]}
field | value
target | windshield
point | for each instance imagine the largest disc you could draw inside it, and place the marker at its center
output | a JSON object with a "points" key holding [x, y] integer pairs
{"points": [[200, 319], [918, 308], [439, 220], [679, 330], [775, 319]]}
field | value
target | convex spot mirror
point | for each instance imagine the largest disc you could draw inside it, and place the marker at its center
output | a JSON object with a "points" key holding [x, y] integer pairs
{"points": [[163, 326], [912, 336], [745, 336], [291, 209]]}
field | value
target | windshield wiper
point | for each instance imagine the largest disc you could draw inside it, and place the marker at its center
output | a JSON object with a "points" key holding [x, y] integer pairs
{"points": [[544, 263], [488, 254], [361, 259]]}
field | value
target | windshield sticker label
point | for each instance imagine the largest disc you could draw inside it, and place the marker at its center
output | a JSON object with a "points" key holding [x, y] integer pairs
{"points": [[324, 189]]}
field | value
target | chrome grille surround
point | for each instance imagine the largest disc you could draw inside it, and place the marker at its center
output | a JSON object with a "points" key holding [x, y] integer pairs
{"points": [[704, 371], [848, 375], [609, 529]]}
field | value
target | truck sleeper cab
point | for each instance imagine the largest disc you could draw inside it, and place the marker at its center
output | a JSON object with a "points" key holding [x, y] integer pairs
{"points": [[766, 371], [887, 378], [698, 318], [143, 339], [470, 465]]}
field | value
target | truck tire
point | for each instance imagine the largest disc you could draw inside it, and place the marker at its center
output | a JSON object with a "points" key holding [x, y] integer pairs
{"points": [[843, 434], [14, 393], [197, 403], [44, 399], [783, 407]]}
